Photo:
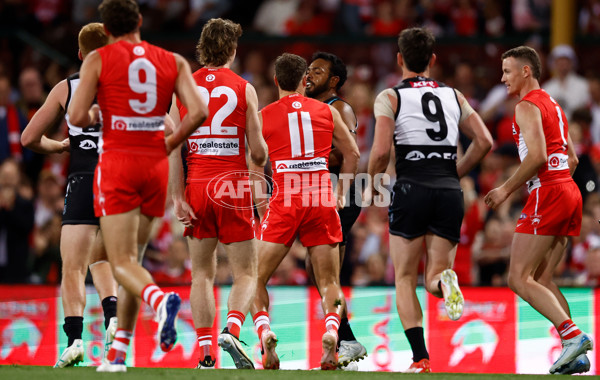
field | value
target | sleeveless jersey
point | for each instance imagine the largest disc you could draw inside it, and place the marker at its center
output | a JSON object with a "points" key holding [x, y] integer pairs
{"points": [[426, 133], [219, 144], [556, 132], [134, 93], [84, 141], [336, 169], [298, 131]]}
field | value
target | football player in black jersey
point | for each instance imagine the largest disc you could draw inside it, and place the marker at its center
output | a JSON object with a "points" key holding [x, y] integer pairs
{"points": [[422, 118], [80, 241], [325, 76]]}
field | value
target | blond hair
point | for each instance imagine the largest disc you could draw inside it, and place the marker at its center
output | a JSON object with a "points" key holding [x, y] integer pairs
{"points": [[92, 37]]}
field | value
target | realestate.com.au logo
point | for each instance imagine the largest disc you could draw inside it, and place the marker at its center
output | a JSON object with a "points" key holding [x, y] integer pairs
{"points": [[235, 189]]}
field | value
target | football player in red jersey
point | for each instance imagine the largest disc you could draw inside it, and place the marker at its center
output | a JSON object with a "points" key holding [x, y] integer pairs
{"points": [[299, 132], [216, 159], [326, 75], [554, 206], [134, 83], [80, 239]]}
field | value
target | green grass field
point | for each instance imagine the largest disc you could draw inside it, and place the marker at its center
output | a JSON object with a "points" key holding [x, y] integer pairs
{"points": [[84, 373]]}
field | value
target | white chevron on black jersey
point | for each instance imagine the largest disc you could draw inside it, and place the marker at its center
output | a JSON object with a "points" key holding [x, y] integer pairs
{"points": [[84, 141]]}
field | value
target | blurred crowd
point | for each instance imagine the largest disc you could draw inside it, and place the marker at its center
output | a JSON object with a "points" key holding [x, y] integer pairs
{"points": [[32, 186]]}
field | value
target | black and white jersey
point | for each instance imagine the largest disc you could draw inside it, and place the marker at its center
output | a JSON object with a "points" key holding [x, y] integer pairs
{"points": [[426, 133], [84, 141]]}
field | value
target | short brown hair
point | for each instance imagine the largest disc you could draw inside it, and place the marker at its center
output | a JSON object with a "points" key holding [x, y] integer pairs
{"points": [[289, 71], [119, 16], [91, 37], [416, 47], [217, 42], [529, 56]]}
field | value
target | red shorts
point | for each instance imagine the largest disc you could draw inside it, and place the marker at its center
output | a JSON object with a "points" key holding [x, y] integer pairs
{"points": [[314, 224], [552, 210], [123, 182], [222, 211]]}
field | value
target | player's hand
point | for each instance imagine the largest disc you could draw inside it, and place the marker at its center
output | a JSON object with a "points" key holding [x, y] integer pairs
{"points": [[94, 114], [340, 202], [66, 145], [495, 197], [169, 144], [184, 213]]}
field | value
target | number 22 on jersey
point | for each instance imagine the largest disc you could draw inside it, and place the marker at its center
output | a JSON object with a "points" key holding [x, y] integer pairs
{"points": [[216, 126]]}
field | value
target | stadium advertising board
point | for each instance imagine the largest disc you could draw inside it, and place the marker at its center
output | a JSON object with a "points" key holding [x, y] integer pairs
{"points": [[498, 333]]}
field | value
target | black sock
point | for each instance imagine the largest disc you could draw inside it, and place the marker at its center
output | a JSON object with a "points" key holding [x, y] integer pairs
{"points": [[73, 327], [345, 332], [416, 338], [109, 306]]}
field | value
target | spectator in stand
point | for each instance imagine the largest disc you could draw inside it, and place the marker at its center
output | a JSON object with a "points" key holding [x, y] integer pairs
{"points": [[385, 23], [32, 91], [272, 16], [594, 106], [49, 199], [47, 264], [16, 223], [568, 88], [201, 11], [308, 20], [589, 17], [176, 268], [12, 123], [464, 17], [491, 251]]}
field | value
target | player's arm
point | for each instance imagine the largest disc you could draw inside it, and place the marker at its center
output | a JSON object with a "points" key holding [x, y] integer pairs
{"points": [[343, 140], [186, 91], [256, 143], [573, 160], [529, 119], [335, 156], [182, 209], [474, 128], [81, 112], [33, 135], [385, 108], [257, 179]]}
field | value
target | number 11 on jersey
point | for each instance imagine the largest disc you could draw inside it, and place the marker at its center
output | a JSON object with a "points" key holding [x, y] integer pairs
{"points": [[307, 133]]}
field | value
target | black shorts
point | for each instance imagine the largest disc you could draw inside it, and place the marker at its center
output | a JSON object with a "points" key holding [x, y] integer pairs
{"points": [[416, 209], [349, 213], [79, 200]]}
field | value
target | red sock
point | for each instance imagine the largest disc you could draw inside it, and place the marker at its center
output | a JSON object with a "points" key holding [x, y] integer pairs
{"points": [[204, 335], [332, 323], [119, 345], [235, 320], [152, 295], [568, 330], [262, 322]]}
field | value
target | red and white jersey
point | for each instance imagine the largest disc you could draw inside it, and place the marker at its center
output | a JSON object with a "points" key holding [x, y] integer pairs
{"points": [[219, 144], [298, 131], [556, 132], [135, 89]]}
